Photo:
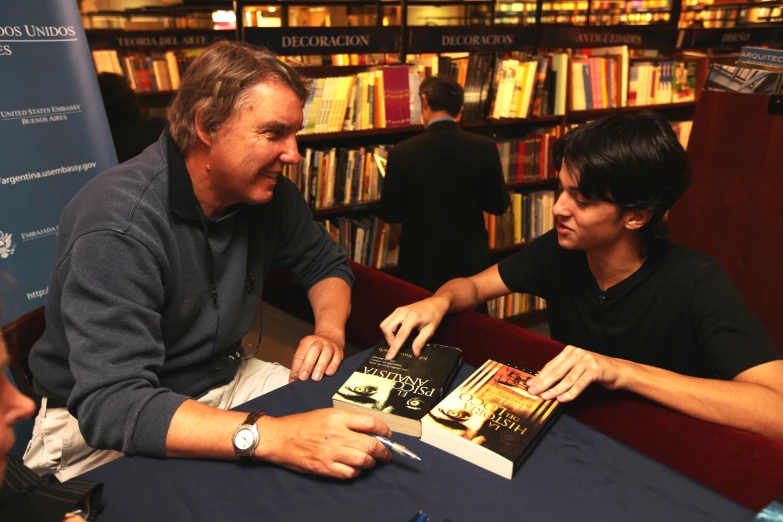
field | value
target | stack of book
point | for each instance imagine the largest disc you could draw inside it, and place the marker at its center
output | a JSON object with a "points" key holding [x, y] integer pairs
{"points": [[489, 419]]}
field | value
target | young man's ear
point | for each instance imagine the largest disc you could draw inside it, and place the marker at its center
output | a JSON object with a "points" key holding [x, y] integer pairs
{"points": [[203, 135], [636, 218], [425, 104]]}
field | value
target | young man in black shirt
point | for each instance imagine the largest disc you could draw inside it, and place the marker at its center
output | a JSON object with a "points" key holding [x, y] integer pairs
{"points": [[636, 313]]}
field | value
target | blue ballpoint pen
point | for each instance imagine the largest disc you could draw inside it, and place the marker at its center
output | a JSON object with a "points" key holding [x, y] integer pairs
{"points": [[397, 448]]}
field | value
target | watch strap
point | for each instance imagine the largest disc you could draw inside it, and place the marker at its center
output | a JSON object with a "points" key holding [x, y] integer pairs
{"points": [[253, 417], [250, 421]]}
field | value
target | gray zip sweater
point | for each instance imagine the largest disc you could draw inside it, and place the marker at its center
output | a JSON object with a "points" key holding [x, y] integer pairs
{"points": [[141, 306]]}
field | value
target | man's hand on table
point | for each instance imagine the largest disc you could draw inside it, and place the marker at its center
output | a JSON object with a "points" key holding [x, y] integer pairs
{"points": [[317, 355], [326, 442]]}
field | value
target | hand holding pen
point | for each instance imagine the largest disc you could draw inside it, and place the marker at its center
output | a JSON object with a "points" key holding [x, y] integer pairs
{"points": [[397, 448]]}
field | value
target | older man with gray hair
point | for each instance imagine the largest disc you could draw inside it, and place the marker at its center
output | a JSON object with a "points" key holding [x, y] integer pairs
{"points": [[159, 272]]}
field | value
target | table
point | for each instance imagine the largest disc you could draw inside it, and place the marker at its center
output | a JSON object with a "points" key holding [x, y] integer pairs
{"points": [[576, 473]]}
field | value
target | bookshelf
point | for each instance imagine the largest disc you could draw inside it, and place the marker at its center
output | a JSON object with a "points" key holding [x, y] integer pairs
{"points": [[673, 111], [366, 36], [339, 210]]}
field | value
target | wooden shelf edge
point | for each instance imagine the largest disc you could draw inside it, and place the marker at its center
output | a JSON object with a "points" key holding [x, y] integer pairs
{"points": [[342, 209], [580, 116], [410, 129], [532, 183]]}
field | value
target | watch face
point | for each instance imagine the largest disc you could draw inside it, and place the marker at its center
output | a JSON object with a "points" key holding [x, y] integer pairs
{"points": [[244, 439]]}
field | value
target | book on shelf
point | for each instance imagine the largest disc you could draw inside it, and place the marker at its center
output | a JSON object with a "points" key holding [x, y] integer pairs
{"points": [[528, 158], [388, 96], [146, 71], [369, 242], [402, 390], [605, 78], [528, 217], [683, 131], [526, 87], [490, 419], [514, 304], [339, 176]]}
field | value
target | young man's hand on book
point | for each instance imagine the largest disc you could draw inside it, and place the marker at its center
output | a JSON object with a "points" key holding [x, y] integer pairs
{"points": [[425, 315], [328, 442], [568, 374]]}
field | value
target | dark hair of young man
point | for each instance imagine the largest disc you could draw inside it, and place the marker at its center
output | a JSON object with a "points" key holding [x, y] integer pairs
{"points": [[443, 94], [631, 160]]}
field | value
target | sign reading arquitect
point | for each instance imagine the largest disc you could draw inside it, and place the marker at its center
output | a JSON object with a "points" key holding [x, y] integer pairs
{"points": [[54, 137], [735, 37], [771, 59], [100, 39], [446, 39], [634, 36], [289, 41]]}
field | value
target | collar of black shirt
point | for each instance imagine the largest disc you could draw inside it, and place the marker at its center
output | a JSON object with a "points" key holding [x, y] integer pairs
{"points": [[630, 282]]}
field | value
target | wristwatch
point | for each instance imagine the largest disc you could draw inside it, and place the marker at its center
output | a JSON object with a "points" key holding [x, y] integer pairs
{"points": [[246, 436]]}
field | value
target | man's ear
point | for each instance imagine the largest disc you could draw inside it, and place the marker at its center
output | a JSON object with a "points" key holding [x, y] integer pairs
{"points": [[203, 135], [636, 218], [425, 103]]}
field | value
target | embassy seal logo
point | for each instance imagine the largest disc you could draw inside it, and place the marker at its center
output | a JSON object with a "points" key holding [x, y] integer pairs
{"points": [[7, 247]]}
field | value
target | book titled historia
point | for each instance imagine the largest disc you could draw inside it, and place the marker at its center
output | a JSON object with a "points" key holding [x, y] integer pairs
{"points": [[400, 391], [490, 419]]}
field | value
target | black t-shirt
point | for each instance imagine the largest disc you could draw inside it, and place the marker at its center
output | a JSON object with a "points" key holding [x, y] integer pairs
{"points": [[679, 311]]}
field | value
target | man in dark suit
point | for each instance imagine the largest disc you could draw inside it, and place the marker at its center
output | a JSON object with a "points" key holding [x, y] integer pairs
{"points": [[438, 185]]}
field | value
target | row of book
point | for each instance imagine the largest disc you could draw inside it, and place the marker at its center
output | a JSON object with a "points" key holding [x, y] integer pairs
{"points": [[530, 157], [369, 242], [606, 80], [339, 176], [511, 85], [386, 97], [145, 72], [490, 419], [528, 217], [514, 304], [530, 87]]}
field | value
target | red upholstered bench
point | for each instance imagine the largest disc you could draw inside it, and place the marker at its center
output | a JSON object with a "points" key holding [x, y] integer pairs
{"points": [[744, 467]]}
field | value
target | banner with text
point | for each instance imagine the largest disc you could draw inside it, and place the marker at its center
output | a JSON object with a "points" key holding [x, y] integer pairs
{"points": [[466, 38], [162, 40], [54, 137], [634, 36], [288, 41], [734, 37]]}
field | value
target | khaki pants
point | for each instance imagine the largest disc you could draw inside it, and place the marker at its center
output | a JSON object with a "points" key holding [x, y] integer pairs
{"points": [[57, 445]]}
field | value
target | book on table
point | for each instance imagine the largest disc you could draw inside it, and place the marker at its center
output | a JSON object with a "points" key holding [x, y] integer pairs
{"points": [[490, 419], [402, 390]]}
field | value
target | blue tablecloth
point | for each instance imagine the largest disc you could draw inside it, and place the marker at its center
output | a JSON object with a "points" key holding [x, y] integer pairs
{"points": [[576, 474]]}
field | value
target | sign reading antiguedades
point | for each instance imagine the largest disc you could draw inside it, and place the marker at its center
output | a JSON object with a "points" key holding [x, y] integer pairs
{"points": [[634, 36], [325, 40], [705, 38], [468, 38], [54, 138]]}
